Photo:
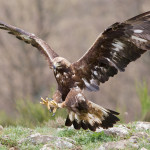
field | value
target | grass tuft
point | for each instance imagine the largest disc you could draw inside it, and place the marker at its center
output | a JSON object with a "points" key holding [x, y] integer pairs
{"points": [[86, 139]]}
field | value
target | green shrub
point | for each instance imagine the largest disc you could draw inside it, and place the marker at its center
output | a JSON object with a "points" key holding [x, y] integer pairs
{"points": [[122, 113], [34, 114], [31, 114], [142, 90], [6, 120]]}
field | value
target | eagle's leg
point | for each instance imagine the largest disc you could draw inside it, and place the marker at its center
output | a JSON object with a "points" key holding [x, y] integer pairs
{"points": [[51, 105]]}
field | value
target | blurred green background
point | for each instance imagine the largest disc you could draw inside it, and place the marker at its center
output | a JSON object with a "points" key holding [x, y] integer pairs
{"points": [[70, 27]]}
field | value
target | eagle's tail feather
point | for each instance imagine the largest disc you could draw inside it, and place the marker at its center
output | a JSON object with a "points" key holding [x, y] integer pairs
{"points": [[96, 117]]}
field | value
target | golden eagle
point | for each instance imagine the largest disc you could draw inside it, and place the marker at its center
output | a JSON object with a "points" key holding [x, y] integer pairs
{"points": [[114, 49]]}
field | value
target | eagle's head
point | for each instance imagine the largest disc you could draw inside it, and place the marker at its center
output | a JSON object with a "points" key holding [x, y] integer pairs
{"points": [[60, 64]]}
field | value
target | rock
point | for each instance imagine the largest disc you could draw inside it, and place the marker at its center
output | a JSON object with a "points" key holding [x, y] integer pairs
{"points": [[60, 144], [133, 139], [40, 139], [14, 148], [47, 147], [142, 125], [69, 140], [49, 141], [63, 144], [143, 148], [113, 145], [122, 144], [120, 131], [141, 134], [59, 129]]}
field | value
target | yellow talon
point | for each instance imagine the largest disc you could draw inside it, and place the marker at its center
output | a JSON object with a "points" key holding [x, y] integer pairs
{"points": [[45, 102], [54, 110], [50, 104]]}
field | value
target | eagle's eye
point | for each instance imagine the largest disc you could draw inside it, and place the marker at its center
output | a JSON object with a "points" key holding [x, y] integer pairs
{"points": [[57, 65]]}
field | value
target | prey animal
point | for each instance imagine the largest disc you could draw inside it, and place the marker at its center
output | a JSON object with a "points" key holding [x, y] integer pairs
{"points": [[115, 48]]}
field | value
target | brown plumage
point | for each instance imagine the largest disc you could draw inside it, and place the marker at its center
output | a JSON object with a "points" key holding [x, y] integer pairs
{"points": [[114, 49]]}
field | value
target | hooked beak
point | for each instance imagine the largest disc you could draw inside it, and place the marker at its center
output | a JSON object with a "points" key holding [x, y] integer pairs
{"points": [[54, 67]]}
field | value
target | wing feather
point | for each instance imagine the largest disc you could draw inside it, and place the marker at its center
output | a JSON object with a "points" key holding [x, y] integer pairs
{"points": [[30, 38], [116, 47]]}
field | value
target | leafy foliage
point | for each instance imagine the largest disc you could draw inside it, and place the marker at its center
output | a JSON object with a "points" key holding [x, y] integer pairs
{"points": [[6, 120], [142, 90], [31, 114]]}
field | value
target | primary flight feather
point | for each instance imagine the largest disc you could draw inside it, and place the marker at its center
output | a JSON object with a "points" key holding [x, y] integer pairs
{"points": [[114, 49]]}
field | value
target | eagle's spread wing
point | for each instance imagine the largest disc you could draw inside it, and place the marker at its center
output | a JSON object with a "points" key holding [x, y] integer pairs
{"points": [[31, 39], [117, 46]]}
